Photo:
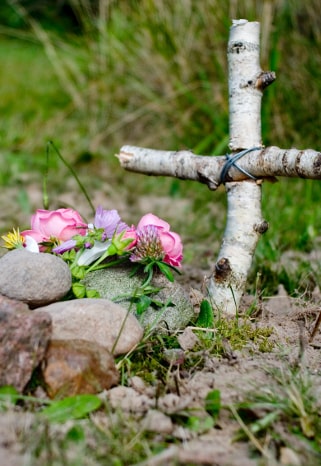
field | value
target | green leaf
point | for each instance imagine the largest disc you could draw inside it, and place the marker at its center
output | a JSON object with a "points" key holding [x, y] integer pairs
{"points": [[148, 290], [78, 272], [8, 394], [213, 403], [157, 304], [205, 317], [142, 304], [79, 290], [92, 294], [266, 421], [166, 270], [261, 425], [72, 407], [199, 425], [75, 434]]}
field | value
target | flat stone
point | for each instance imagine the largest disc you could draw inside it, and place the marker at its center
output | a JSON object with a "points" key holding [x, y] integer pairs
{"points": [[24, 337], [34, 278], [97, 320], [74, 367], [118, 285]]}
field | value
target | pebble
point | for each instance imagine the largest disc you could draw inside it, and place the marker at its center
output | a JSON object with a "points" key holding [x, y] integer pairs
{"points": [[158, 422], [24, 337], [74, 367], [35, 279], [98, 320]]}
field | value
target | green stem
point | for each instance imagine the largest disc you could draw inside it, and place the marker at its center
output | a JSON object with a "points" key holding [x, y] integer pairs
{"points": [[74, 174]]}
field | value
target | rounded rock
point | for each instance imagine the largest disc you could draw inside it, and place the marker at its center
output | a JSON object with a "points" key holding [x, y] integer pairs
{"points": [[34, 278], [75, 367], [97, 320], [119, 285]]}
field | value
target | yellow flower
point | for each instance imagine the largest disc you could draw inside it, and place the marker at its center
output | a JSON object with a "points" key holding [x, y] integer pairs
{"points": [[13, 240]]}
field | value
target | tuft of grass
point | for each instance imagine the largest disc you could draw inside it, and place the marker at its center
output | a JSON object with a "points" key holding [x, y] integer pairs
{"points": [[227, 335], [283, 414]]}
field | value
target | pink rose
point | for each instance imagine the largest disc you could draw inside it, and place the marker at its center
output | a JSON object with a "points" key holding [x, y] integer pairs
{"points": [[171, 242], [60, 225]]}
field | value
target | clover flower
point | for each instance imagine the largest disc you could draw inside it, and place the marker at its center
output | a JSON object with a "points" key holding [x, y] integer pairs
{"points": [[170, 241], [148, 245]]}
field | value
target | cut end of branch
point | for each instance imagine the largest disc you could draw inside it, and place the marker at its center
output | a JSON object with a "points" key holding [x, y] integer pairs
{"points": [[124, 158], [239, 22]]}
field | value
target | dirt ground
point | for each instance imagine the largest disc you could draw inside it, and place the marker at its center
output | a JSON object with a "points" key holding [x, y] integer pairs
{"points": [[292, 321]]}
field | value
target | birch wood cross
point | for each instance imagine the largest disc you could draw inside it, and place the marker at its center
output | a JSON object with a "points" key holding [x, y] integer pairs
{"points": [[242, 179]]}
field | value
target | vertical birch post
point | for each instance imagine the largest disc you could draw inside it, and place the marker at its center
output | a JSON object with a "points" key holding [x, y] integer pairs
{"points": [[244, 220], [242, 180]]}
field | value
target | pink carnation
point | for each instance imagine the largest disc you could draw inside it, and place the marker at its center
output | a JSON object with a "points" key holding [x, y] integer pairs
{"points": [[171, 242], [58, 225]]}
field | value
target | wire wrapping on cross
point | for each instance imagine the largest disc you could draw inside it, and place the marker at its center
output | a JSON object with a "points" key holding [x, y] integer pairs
{"points": [[231, 162]]}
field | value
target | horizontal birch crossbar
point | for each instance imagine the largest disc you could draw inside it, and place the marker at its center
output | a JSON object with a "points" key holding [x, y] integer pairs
{"points": [[263, 163]]}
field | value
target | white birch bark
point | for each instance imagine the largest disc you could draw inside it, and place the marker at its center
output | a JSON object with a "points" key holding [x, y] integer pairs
{"points": [[266, 163], [243, 229], [244, 220]]}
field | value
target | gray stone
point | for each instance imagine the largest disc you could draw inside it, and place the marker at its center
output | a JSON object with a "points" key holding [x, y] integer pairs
{"points": [[36, 279], [12, 305], [74, 367], [24, 337], [98, 320], [114, 283]]}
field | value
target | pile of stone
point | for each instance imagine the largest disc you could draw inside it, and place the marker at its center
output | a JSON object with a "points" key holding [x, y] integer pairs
{"points": [[71, 344]]}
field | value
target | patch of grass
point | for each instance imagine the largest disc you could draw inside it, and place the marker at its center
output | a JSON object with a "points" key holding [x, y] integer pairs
{"points": [[291, 208], [284, 414], [232, 334], [110, 438], [155, 358]]}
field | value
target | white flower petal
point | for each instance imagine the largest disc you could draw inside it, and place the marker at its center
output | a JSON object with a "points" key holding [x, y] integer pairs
{"points": [[31, 244], [90, 255]]}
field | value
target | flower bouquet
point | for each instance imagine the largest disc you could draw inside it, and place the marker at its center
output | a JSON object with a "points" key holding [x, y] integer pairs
{"points": [[106, 242]]}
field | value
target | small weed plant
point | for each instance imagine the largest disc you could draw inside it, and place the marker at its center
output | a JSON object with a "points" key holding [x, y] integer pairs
{"points": [[285, 413]]}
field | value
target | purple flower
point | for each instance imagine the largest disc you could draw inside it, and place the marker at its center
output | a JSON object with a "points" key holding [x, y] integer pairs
{"points": [[110, 221], [66, 246], [148, 245]]}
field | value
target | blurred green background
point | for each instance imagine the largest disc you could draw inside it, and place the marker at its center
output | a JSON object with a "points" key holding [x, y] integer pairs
{"points": [[95, 75]]}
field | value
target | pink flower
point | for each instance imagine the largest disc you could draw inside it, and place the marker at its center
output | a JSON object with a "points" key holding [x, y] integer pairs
{"points": [[170, 241], [55, 225], [148, 245], [130, 233]]}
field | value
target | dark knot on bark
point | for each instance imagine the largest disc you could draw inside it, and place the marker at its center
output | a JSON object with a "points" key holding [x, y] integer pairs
{"points": [[222, 269], [265, 79], [261, 227]]}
